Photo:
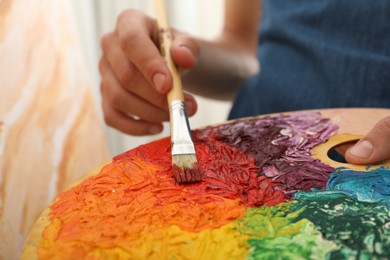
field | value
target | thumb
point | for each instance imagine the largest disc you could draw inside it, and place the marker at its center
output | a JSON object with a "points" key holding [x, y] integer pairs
{"points": [[374, 147], [184, 51]]}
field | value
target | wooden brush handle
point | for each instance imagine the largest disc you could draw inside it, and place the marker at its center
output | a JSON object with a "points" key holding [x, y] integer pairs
{"points": [[165, 35]]}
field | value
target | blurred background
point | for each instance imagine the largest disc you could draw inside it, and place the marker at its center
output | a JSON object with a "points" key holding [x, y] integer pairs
{"points": [[202, 18], [51, 125]]}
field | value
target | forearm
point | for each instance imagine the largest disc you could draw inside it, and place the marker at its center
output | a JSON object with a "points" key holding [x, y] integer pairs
{"points": [[225, 63], [219, 71]]}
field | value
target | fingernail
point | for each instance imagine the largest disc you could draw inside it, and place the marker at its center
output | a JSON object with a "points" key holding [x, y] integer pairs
{"points": [[158, 81], [154, 130], [362, 149]]}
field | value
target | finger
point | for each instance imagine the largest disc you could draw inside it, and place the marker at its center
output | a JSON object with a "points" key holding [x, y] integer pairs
{"points": [[191, 104], [138, 38], [374, 147], [129, 77], [128, 103], [128, 124], [127, 74], [111, 89], [120, 65], [184, 51]]}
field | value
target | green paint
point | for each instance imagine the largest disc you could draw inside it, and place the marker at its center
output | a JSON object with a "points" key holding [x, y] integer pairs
{"points": [[318, 225], [308, 243], [265, 221], [361, 229], [275, 235]]}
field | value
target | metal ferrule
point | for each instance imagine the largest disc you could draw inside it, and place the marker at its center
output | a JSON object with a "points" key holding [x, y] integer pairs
{"points": [[181, 140]]}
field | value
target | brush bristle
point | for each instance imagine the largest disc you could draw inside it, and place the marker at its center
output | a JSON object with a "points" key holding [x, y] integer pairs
{"points": [[185, 168]]}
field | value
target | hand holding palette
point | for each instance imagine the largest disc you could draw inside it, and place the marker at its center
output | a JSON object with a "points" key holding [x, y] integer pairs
{"points": [[262, 195]]}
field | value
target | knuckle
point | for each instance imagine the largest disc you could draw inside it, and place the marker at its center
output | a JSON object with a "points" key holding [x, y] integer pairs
{"points": [[105, 41], [162, 101], [101, 65], [101, 88], [126, 40], [128, 37], [149, 66], [128, 13], [386, 123], [134, 16], [108, 119], [113, 98], [130, 25], [130, 41], [110, 97], [125, 75]]}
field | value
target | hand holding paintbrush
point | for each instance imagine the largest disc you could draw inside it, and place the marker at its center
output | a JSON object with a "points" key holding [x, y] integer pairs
{"points": [[184, 162]]}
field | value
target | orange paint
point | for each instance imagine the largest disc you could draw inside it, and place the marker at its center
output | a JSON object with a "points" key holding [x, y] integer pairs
{"points": [[136, 195]]}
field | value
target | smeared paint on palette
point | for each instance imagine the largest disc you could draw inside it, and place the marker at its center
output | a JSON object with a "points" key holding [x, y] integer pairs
{"points": [[263, 196]]}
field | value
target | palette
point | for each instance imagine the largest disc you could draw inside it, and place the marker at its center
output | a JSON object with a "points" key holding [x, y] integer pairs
{"points": [[266, 193]]}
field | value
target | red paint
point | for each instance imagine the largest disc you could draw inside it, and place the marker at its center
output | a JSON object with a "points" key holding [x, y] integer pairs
{"points": [[227, 172]]}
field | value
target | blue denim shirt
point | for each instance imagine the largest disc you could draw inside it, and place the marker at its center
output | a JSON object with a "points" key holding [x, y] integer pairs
{"points": [[319, 54]]}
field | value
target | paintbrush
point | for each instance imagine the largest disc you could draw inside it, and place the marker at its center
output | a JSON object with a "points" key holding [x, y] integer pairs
{"points": [[184, 162]]}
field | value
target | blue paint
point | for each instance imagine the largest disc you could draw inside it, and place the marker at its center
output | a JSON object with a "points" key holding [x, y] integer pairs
{"points": [[371, 186]]}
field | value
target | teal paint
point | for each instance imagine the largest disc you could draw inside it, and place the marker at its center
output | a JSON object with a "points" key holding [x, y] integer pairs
{"points": [[372, 186]]}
